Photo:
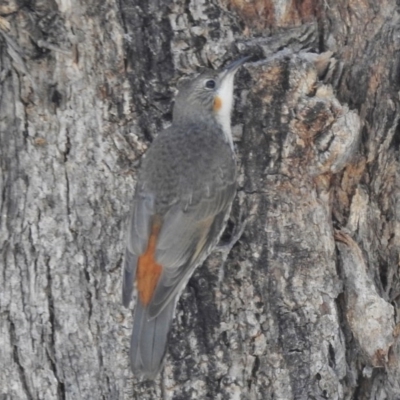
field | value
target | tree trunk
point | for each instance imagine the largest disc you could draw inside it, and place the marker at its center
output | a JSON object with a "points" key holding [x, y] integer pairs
{"points": [[306, 305]]}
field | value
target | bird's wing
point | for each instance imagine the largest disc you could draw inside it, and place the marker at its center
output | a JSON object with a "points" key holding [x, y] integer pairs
{"points": [[185, 239], [167, 248], [138, 235]]}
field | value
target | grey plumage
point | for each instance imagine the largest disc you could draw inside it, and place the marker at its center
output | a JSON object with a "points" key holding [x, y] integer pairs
{"points": [[185, 189], [149, 339]]}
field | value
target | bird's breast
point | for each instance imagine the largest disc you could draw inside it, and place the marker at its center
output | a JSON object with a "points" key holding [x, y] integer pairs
{"points": [[188, 162]]}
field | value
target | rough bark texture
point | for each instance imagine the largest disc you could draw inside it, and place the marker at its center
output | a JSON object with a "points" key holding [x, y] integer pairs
{"points": [[306, 305]]}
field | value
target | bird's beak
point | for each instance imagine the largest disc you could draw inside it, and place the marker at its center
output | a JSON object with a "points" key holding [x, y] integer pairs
{"points": [[231, 68]]}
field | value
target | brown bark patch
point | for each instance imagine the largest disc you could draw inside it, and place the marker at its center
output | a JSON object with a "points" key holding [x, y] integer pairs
{"points": [[256, 14], [301, 11]]}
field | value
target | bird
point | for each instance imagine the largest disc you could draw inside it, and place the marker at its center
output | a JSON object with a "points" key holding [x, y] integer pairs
{"points": [[181, 204]]}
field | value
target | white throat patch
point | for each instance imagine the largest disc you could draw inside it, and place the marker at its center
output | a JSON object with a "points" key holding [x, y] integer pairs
{"points": [[223, 115]]}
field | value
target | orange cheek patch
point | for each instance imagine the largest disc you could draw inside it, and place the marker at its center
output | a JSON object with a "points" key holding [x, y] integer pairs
{"points": [[217, 103], [148, 271]]}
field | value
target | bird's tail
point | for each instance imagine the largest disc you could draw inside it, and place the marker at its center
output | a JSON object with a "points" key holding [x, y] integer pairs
{"points": [[149, 339]]}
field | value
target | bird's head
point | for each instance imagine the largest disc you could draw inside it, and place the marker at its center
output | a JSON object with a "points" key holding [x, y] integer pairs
{"points": [[209, 95]]}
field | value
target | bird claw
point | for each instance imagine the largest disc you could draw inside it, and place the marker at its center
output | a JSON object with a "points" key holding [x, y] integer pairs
{"points": [[225, 249]]}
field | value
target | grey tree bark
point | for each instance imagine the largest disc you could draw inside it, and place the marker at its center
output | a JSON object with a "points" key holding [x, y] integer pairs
{"points": [[306, 305]]}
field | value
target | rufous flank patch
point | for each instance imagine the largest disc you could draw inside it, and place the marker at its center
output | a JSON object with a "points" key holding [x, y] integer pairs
{"points": [[148, 271]]}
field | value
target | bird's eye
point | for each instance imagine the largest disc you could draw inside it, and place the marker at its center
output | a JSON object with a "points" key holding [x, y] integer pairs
{"points": [[210, 84]]}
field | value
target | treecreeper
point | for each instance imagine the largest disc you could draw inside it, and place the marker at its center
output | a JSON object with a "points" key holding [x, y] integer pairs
{"points": [[182, 201]]}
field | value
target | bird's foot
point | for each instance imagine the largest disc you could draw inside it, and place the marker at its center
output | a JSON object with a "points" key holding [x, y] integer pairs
{"points": [[226, 248]]}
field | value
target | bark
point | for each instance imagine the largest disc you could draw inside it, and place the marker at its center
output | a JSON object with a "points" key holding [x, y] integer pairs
{"points": [[306, 304]]}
